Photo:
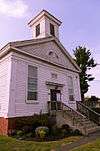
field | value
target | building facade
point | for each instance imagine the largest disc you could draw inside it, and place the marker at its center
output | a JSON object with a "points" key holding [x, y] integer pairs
{"points": [[33, 72]]}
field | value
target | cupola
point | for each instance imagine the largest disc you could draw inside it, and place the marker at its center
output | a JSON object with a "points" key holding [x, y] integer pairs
{"points": [[44, 25]]}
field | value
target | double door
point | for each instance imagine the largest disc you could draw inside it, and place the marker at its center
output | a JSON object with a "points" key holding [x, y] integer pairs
{"points": [[55, 96]]}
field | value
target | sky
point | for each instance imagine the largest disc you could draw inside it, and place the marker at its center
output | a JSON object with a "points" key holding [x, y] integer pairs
{"points": [[80, 26]]}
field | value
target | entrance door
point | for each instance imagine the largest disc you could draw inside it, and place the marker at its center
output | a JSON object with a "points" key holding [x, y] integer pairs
{"points": [[55, 99]]}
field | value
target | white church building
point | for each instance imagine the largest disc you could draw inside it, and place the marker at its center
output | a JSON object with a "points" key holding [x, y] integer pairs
{"points": [[35, 72]]}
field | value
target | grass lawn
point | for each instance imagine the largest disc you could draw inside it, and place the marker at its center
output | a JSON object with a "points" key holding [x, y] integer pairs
{"points": [[11, 144], [93, 146]]}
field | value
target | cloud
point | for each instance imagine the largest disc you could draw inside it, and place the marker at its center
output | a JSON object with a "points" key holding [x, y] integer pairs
{"points": [[13, 8]]}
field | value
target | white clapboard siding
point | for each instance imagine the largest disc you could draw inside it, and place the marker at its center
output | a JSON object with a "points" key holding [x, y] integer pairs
{"points": [[18, 95], [5, 72]]}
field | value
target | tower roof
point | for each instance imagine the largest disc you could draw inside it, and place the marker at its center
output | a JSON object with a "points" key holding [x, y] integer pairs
{"points": [[47, 14]]}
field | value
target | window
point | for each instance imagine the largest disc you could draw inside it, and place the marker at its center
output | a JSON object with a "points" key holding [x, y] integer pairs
{"points": [[52, 31], [32, 83], [70, 89], [38, 30]]}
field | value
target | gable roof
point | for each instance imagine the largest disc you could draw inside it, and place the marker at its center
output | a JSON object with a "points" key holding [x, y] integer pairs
{"points": [[15, 46]]}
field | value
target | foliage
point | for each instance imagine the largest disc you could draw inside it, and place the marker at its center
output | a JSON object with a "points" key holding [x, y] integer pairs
{"points": [[19, 133], [85, 62], [29, 135], [76, 132], [38, 132], [27, 129], [55, 132], [96, 110], [34, 121], [91, 102], [43, 120], [66, 129], [93, 98], [42, 132], [62, 132]]}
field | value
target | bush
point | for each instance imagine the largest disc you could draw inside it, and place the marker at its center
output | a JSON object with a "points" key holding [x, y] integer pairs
{"points": [[56, 132], [76, 132], [29, 135], [19, 133], [35, 121], [63, 132], [65, 126], [27, 129], [66, 130], [42, 132]]}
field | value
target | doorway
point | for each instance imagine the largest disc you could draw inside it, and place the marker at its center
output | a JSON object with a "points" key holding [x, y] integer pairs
{"points": [[55, 97]]}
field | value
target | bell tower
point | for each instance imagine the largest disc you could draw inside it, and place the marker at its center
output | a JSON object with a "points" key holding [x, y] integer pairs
{"points": [[44, 25]]}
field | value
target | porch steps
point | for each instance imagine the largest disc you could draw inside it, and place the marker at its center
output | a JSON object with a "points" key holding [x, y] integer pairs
{"points": [[76, 120]]}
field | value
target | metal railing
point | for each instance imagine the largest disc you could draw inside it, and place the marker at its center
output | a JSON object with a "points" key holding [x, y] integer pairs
{"points": [[66, 110], [72, 111], [89, 113]]}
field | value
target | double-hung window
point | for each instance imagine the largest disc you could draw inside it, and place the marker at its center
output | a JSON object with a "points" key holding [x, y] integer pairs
{"points": [[70, 88], [32, 83], [52, 29], [37, 30]]}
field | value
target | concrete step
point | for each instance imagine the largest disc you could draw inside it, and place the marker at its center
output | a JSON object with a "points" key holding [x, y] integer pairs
{"points": [[89, 123], [93, 129], [90, 126], [82, 123]]}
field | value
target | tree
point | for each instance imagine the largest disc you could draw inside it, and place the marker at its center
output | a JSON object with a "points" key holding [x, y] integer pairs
{"points": [[85, 62]]}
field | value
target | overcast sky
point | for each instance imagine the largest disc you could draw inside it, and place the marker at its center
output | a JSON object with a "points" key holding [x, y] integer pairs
{"points": [[80, 25]]}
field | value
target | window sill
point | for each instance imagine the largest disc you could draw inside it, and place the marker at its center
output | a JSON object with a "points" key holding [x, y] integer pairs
{"points": [[32, 102]]}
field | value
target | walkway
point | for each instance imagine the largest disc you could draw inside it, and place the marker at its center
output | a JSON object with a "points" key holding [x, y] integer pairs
{"points": [[82, 141]]}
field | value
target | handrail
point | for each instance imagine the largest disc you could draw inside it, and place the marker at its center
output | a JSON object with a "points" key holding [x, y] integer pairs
{"points": [[89, 113], [88, 108], [54, 105], [74, 115], [63, 104]]}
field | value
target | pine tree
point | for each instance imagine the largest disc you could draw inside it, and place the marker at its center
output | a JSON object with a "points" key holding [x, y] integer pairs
{"points": [[85, 62]]}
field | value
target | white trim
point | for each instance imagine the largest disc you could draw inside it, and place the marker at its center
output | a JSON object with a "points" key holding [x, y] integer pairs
{"points": [[41, 40], [31, 101]]}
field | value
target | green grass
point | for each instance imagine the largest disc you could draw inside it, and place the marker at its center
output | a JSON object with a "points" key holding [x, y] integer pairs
{"points": [[11, 144], [93, 146]]}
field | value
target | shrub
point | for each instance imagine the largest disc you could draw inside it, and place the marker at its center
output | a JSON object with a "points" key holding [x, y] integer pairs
{"points": [[27, 129], [66, 130], [42, 132], [56, 132], [19, 133], [65, 126], [63, 132], [76, 132], [28, 135], [35, 121]]}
